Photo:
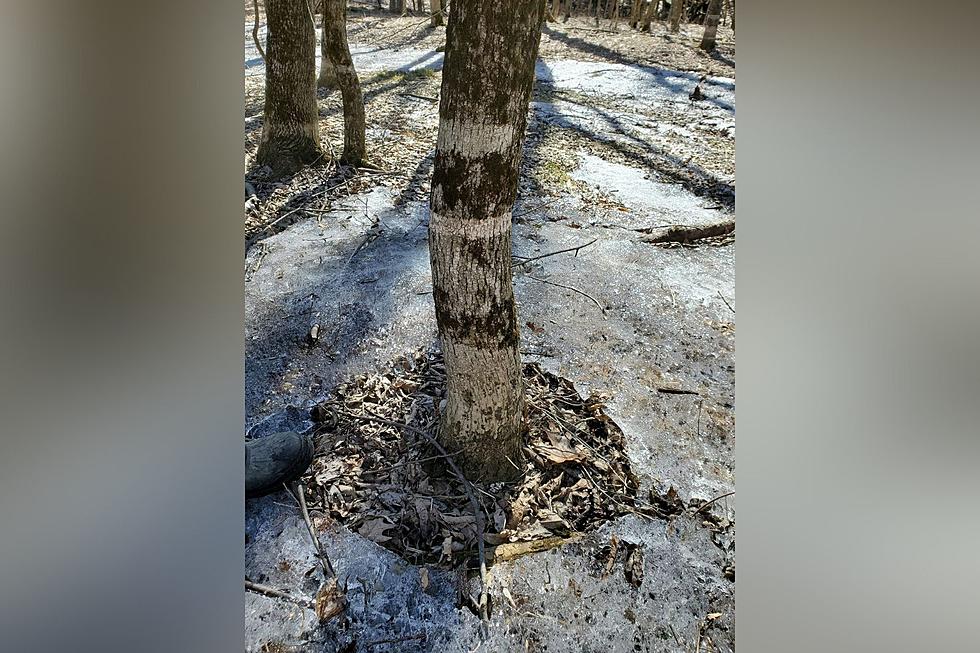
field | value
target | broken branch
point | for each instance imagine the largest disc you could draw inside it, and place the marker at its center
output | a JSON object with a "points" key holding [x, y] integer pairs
{"points": [[682, 234], [278, 594], [561, 251]]}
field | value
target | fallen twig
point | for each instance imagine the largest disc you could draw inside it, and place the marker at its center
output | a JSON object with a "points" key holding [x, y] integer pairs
{"points": [[525, 259], [278, 594], [708, 503], [328, 572], [573, 289], [726, 302], [420, 97], [677, 391]]}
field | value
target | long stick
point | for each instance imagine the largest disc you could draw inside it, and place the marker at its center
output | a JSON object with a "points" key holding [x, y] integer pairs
{"points": [[328, 571], [561, 251], [278, 594], [573, 289]]}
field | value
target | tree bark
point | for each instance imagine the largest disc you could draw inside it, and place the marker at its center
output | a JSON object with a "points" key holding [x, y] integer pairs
{"points": [[649, 14], [328, 73], [436, 7], [676, 10], [711, 25], [635, 10], [487, 78], [338, 51], [255, 29], [290, 131]]}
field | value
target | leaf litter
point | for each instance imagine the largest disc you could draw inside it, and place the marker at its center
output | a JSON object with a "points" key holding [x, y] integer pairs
{"points": [[391, 486]]}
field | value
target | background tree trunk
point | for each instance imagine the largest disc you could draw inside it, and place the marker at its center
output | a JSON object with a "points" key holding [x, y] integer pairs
{"points": [[255, 29], [328, 73], [635, 10], [436, 7], [649, 14], [676, 10], [335, 43], [290, 133], [491, 48], [711, 25]]}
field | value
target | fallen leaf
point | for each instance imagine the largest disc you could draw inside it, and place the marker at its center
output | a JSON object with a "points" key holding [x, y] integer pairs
{"points": [[374, 529], [558, 454], [330, 600], [510, 599]]}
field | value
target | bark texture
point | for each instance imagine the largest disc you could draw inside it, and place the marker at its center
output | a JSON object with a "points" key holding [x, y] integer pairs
{"points": [[328, 74], [338, 52], [290, 135], [676, 10], [491, 48], [711, 25], [436, 7]]}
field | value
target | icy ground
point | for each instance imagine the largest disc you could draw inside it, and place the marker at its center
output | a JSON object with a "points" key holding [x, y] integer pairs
{"points": [[362, 273]]}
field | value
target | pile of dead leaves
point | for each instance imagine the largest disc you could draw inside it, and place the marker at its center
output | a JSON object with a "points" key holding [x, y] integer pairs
{"points": [[390, 485]]}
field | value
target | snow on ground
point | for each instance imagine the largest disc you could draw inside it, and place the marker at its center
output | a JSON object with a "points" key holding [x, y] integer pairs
{"points": [[361, 271]]}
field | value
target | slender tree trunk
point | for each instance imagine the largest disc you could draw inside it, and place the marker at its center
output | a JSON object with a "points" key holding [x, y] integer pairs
{"points": [[436, 7], [711, 26], [555, 9], [635, 9], [676, 10], [338, 51], [290, 132], [486, 85], [328, 72], [649, 14], [255, 29]]}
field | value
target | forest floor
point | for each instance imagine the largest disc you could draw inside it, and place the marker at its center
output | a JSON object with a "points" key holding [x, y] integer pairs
{"points": [[615, 150]]}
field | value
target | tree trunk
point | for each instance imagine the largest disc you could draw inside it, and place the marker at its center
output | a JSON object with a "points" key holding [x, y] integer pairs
{"points": [[290, 132], [335, 44], [676, 9], [328, 72], [649, 14], [635, 10], [255, 29], [488, 73], [555, 9], [436, 7], [711, 26]]}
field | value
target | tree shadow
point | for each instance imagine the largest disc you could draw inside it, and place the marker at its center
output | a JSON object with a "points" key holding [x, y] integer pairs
{"points": [[667, 166], [352, 293]]}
